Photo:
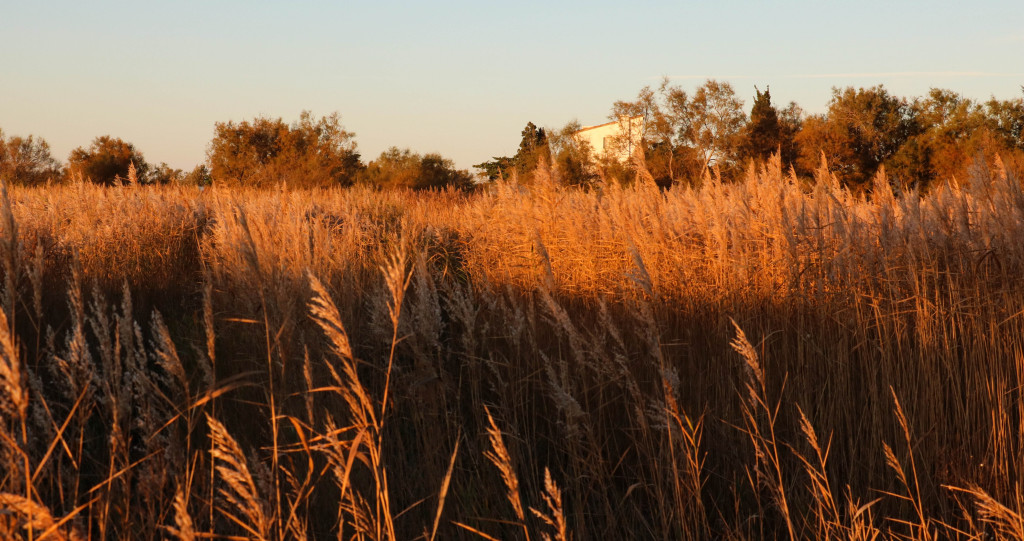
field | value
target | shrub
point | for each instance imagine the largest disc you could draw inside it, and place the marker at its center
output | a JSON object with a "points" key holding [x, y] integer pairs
{"points": [[403, 168], [27, 160], [108, 161], [266, 152]]}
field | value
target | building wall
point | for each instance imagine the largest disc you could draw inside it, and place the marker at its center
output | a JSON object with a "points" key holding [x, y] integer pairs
{"points": [[614, 139]]}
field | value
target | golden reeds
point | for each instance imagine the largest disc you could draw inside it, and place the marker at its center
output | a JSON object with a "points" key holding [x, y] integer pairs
{"points": [[704, 362]]}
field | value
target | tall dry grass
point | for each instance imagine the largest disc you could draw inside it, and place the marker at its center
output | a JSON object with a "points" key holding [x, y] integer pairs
{"points": [[760, 359]]}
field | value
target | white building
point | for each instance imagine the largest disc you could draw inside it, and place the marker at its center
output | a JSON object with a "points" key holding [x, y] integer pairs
{"points": [[615, 139]]}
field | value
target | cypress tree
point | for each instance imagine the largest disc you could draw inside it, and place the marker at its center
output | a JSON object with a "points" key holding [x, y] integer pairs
{"points": [[532, 147], [763, 135]]}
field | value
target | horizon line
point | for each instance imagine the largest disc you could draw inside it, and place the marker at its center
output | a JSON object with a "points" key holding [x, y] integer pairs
{"points": [[856, 75]]}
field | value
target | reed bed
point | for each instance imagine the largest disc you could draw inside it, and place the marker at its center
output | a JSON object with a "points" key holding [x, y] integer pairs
{"points": [[760, 359]]}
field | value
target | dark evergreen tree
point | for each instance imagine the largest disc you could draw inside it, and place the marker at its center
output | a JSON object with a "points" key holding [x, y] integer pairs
{"points": [[763, 135], [532, 147], [498, 167]]}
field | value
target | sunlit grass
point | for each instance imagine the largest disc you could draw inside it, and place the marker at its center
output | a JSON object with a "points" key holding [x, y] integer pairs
{"points": [[758, 359]]}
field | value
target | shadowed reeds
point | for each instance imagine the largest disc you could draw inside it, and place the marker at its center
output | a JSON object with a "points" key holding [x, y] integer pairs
{"points": [[758, 359]]}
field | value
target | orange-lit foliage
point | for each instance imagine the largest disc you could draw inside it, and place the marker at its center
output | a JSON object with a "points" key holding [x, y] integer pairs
{"points": [[267, 152]]}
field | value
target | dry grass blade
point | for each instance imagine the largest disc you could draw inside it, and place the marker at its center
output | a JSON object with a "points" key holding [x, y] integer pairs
{"points": [[746, 350], [922, 528], [379, 523], [341, 462], [325, 313], [826, 512], [760, 420], [10, 246], [183, 528], [208, 323], [241, 492], [555, 516], [861, 526], [133, 175], [35, 520], [167, 353], [397, 280], [474, 531], [59, 437], [31, 516], [444, 491], [1008, 523], [14, 397], [498, 455]]}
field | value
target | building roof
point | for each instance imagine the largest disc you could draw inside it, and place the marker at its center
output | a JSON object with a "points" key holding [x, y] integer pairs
{"points": [[585, 128]]}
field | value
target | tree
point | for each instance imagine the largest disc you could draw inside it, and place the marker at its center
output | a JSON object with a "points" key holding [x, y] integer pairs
{"points": [[269, 152], [861, 130], [438, 172], [108, 161], [199, 176], [665, 116], [165, 174], [763, 135], [714, 125], [572, 159], [687, 136], [791, 120], [952, 131], [497, 168], [533, 147], [27, 161], [766, 134], [1007, 119], [402, 168], [394, 168]]}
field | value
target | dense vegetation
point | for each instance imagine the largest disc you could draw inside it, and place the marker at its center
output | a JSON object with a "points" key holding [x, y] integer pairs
{"points": [[687, 136], [781, 326], [748, 359], [264, 153], [917, 141]]}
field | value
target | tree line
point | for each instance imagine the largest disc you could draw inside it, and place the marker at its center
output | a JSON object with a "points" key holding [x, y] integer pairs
{"points": [[690, 136], [687, 137], [264, 152]]}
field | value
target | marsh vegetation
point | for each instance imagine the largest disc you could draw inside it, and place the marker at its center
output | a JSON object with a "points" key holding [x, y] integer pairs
{"points": [[761, 358]]}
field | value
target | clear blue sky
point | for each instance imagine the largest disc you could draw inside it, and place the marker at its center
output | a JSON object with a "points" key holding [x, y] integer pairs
{"points": [[462, 78]]}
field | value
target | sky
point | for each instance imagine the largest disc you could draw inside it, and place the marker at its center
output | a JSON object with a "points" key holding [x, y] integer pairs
{"points": [[462, 78]]}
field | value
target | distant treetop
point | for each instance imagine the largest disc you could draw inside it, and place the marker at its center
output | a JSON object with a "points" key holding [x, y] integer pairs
{"points": [[108, 160], [310, 152]]}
